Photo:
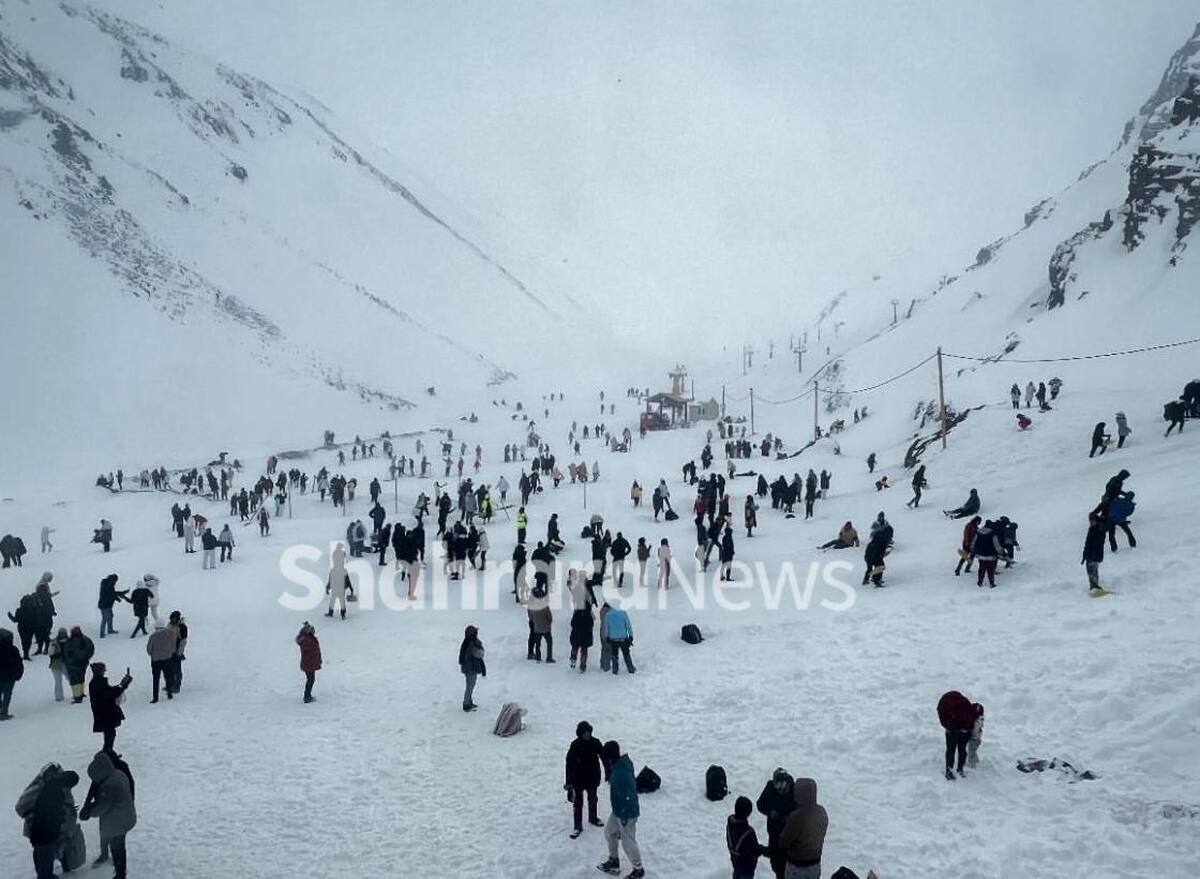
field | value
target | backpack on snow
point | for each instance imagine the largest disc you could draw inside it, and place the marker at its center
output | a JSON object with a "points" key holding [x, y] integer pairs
{"points": [[844, 873], [508, 723], [670, 515], [715, 785], [586, 533], [691, 634], [648, 781]]}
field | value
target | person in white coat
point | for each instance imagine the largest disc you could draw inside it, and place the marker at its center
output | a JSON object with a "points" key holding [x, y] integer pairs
{"points": [[189, 535], [47, 546], [664, 564], [338, 581], [151, 582], [482, 548], [1030, 390]]}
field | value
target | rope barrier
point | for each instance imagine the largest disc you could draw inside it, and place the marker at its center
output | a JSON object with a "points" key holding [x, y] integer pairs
{"points": [[1000, 357]]}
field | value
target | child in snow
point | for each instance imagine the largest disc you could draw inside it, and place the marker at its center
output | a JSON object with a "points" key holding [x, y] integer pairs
{"points": [[976, 738], [742, 840]]}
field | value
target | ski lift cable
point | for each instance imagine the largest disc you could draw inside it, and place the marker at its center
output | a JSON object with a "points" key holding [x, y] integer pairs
{"points": [[1001, 358]]}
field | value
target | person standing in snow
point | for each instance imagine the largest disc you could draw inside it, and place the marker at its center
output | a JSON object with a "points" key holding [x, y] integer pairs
{"points": [[618, 631], [47, 546], [109, 596], [12, 669], [871, 462], [189, 535], [471, 664], [777, 801], [750, 513], [110, 799], [918, 483], [338, 583], [1014, 394], [1055, 385], [1099, 439], [877, 547], [725, 555], [226, 543], [310, 658], [741, 840], [541, 627], [583, 771], [620, 550], [635, 494], [160, 647], [140, 599], [1093, 551], [664, 564], [986, 550], [105, 698], [57, 662], [622, 823], [803, 835], [968, 545], [1120, 509], [957, 716], [1030, 390], [264, 522], [976, 738], [1123, 429], [77, 654], [643, 559], [582, 626]]}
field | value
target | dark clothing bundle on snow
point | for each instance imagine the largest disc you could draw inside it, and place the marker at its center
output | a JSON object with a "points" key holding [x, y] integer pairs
{"points": [[716, 787], [648, 781], [691, 634], [1068, 771]]}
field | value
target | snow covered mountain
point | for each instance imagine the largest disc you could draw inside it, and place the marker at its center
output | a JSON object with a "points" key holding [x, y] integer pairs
{"points": [[1105, 265], [186, 232]]}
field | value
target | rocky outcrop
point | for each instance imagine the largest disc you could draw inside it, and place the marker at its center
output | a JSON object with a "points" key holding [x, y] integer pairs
{"points": [[1064, 256], [1155, 114]]}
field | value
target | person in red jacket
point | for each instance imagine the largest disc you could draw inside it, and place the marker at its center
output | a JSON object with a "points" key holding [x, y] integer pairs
{"points": [[310, 658], [957, 715], [968, 543]]}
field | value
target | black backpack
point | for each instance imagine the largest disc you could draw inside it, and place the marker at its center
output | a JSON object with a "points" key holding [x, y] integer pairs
{"points": [[671, 515], [715, 785], [648, 781], [691, 634]]}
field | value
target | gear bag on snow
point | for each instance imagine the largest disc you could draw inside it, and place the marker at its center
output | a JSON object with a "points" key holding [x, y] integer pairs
{"points": [[691, 634], [670, 515], [715, 785], [509, 722], [648, 781]]}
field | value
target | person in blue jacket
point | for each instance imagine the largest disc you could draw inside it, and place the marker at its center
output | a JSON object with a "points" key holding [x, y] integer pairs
{"points": [[1120, 509], [622, 823], [618, 631]]}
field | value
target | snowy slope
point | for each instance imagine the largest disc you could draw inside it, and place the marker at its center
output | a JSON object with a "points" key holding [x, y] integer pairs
{"points": [[183, 213]]}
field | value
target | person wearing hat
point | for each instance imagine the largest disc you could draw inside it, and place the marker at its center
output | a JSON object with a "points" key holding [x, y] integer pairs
{"points": [[471, 664], [161, 648], [777, 801], [584, 759], [77, 653], [310, 658], [106, 709], [622, 823], [52, 814]]}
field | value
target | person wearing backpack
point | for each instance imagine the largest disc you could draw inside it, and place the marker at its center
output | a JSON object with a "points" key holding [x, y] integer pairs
{"points": [[111, 801], [50, 820], [742, 840], [77, 653], [621, 826], [584, 759], [140, 599], [643, 558]]}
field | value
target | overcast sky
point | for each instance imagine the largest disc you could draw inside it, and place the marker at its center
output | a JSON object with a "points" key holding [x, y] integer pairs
{"points": [[731, 161]]}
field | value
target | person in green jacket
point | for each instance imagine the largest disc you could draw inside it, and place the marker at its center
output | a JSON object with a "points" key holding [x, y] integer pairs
{"points": [[622, 823]]}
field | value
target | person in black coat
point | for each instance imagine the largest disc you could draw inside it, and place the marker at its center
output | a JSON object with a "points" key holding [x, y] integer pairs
{"points": [[1099, 439], [582, 635], [742, 841], [585, 758], [918, 483], [873, 556], [777, 801], [1093, 549], [106, 709], [12, 669], [109, 595]]}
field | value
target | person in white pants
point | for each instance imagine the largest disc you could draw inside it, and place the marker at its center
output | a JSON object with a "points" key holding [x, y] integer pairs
{"points": [[337, 581], [189, 536], [664, 564], [151, 582]]}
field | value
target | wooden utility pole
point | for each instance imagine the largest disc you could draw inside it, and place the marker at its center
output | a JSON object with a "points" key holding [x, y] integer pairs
{"points": [[941, 397], [816, 427], [752, 412], [722, 401]]}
